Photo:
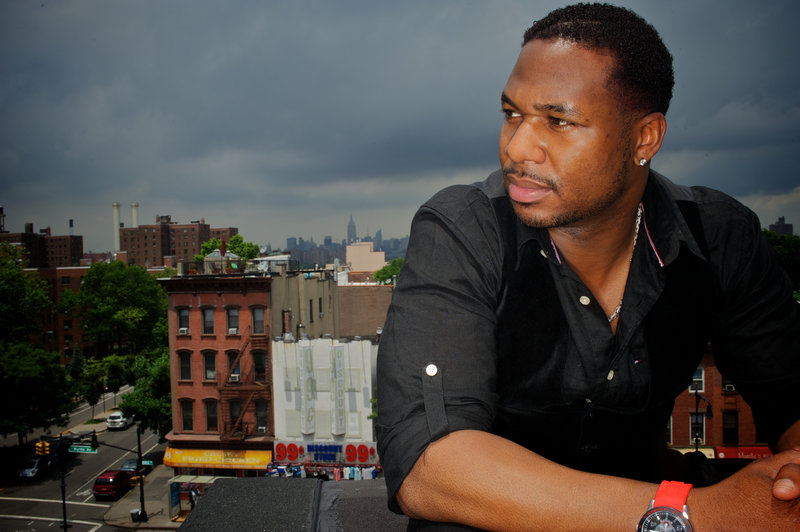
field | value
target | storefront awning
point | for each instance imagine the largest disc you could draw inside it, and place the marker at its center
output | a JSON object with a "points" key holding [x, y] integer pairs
{"points": [[217, 458]]}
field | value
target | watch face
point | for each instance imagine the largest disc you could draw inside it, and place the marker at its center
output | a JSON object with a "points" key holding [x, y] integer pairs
{"points": [[664, 519]]}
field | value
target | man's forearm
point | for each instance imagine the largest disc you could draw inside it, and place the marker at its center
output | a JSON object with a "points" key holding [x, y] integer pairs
{"points": [[485, 481]]}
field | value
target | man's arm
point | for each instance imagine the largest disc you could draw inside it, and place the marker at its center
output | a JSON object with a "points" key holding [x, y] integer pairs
{"points": [[519, 490], [787, 482], [508, 487]]}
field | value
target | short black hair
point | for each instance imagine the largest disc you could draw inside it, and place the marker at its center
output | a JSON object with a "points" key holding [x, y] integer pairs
{"points": [[644, 75]]}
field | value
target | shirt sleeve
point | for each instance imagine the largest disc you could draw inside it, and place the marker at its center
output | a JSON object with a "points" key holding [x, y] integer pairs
{"points": [[756, 336], [436, 361]]}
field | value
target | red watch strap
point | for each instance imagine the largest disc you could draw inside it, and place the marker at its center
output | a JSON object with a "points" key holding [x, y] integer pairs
{"points": [[672, 494]]}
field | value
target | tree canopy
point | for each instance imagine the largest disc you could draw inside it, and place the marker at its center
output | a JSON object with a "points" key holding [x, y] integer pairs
{"points": [[26, 369], [24, 298], [387, 274], [150, 400], [787, 249], [120, 306], [237, 245]]}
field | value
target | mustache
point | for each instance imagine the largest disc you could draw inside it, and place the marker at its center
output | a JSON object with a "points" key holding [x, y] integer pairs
{"points": [[521, 172]]}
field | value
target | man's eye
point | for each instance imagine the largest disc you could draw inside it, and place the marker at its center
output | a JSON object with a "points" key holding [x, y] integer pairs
{"points": [[511, 114], [560, 122]]}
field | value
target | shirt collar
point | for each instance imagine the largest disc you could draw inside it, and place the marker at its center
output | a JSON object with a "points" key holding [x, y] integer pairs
{"points": [[663, 226]]}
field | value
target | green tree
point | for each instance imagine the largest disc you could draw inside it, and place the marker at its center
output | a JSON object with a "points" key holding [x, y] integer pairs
{"points": [[93, 382], [150, 401], [237, 245], [118, 372], [24, 298], [387, 274], [787, 249], [33, 389], [119, 306]]}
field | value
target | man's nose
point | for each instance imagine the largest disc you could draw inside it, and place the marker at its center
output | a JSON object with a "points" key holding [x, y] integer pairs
{"points": [[525, 145]]}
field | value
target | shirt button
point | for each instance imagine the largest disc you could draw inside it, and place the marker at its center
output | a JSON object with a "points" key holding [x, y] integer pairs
{"points": [[610, 375], [431, 370], [584, 300], [588, 401], [543, 252]]}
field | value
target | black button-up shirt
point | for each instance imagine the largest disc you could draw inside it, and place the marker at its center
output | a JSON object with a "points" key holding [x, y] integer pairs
{"points": [[489, 330]]}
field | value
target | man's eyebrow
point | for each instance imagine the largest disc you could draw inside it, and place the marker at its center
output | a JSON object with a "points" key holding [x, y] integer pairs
{"points": [[562, 109]]}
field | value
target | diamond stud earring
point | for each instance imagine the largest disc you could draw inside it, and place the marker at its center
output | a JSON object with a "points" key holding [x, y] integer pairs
{"points": [[642, 161]]}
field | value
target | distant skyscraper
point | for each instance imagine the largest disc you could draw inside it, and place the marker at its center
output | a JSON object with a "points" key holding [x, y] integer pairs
{"points": [[351, 231], [291, 242], [781, 227], [379, 239]]}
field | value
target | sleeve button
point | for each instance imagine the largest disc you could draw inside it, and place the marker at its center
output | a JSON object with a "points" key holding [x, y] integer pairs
{"points": [[431, 370]]}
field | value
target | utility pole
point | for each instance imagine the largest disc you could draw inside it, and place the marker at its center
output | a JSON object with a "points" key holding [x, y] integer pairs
{"points": [[142, 511]]}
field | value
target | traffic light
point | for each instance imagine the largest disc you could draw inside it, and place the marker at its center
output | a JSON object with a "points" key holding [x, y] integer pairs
{"points": [[95, 443], [40, 447], [45, 448]]}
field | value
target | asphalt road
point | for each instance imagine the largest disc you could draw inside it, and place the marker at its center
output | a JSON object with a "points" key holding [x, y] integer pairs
{"points": [[36, 505], [83, 413]]}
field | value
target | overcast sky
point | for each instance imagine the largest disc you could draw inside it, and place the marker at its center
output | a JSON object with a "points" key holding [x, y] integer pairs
{"points": [[284, 118]]}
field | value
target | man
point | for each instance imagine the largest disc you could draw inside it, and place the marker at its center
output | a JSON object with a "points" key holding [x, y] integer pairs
{"points": [[546, 318]]}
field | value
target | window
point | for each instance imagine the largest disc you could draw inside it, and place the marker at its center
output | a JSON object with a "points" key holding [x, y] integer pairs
{"points": [[730, 427], [187, 421], [668, 432], [260, 365], [185, 363], [311, 311], [231, 360], [698, 427], [233, 320], [208, 321], [211, 416], [209, 365], [236, 410], [183, 318], [727, 385], [698, 381], [261, 416], [258, 321]]}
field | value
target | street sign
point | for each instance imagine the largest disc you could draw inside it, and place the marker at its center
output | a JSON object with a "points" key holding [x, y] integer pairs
{"points": [[82, 449]]}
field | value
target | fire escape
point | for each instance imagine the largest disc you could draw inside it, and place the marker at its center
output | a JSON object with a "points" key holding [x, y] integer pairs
{"points": [[246, 387]]}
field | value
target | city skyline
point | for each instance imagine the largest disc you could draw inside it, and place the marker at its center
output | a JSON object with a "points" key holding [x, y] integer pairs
{"points": [[283, 118]]}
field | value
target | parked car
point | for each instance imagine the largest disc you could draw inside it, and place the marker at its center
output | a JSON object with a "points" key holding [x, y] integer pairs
{"points": [[116, 420], [33, 467], [112, 483], [130, 466]]}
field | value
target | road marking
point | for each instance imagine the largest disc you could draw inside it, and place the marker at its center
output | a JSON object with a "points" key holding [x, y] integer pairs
{"points": [[94, 524], [28, 499]]}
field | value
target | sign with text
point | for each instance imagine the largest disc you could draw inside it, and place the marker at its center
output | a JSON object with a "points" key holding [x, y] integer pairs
{"points": [[322, 452], [82, 449], [217, 458]]}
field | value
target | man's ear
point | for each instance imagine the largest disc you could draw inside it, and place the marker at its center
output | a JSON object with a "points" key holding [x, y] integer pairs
{"points": [[649, 133]]}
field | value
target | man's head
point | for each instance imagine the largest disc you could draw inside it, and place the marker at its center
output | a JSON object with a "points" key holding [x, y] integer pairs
{"points": [[583, 117], [643, 75]]}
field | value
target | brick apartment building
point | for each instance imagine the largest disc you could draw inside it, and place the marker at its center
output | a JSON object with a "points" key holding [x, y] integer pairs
{"points": [[221, 376], [45, 250], [712, 417], [148, 245]]}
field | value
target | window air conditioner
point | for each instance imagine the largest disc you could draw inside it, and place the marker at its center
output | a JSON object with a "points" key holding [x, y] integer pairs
{"points": [[261, 429], [183, 331], [233, 330], [729, 388], [234, 378]]}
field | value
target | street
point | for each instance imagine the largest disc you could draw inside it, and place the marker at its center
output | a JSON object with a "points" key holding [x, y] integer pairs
{"points": [[36, 504]]}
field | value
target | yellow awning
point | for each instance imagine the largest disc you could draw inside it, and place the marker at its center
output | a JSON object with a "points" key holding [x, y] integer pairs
{"points": [[222, 459]]}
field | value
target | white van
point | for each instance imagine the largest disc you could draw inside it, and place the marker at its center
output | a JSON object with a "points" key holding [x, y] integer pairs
{"points": [[118, 421]]}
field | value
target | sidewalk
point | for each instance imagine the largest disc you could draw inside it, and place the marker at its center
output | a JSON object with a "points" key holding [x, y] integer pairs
{"points": [[156, 503]]}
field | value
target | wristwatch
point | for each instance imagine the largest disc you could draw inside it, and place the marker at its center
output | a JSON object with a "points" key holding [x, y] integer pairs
{"points": [[667, 512]]}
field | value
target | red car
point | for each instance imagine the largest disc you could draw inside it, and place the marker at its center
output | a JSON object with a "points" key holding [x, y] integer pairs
{"points": [[112, 483]]}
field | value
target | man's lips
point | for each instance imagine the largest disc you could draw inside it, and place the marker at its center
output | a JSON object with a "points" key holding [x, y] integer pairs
{"points": [[529, 193]]}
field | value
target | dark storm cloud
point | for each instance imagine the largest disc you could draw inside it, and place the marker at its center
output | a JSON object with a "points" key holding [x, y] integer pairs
{"points": [[282, 118]]}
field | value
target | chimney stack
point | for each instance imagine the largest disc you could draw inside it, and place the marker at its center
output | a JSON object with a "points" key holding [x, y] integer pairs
{"points": [[134, 214], [115, 205]]}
